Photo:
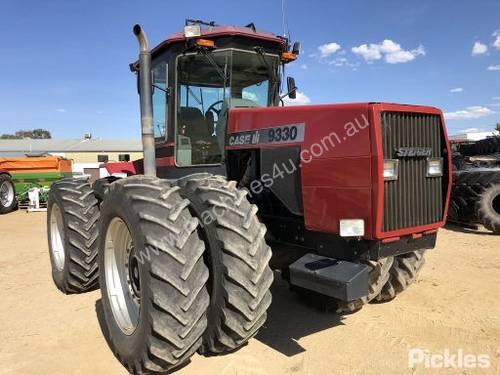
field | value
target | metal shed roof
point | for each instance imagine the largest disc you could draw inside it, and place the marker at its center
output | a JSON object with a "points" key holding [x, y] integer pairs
{"points": [[69, 145]]}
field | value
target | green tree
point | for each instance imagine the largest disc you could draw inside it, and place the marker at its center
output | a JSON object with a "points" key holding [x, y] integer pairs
{"points": [[41, 134], [32, 134], [497, 128]]}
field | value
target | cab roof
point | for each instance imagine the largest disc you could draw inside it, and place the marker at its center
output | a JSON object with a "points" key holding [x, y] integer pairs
{"points": [[216, 31]]}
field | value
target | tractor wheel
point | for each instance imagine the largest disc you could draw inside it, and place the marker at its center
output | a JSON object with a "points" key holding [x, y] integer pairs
{"points": [[377, 278], [72, 231], [403, 273], [488, 208], [152, 275], [101, 187], [489, 145], [238, 258], [7, 194], [468, 187]]}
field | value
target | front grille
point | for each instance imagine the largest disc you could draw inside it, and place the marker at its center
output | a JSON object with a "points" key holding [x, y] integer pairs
{"points": [[413, 199]]}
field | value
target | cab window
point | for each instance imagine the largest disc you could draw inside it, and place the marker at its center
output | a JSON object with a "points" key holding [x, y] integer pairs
{"points": [[201, 91], [160, 106], [208, 84]]}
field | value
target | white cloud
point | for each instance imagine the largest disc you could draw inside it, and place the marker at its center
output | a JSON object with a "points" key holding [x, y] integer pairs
{"points": [[494, 67], [343, 61], [301, 99], [328, 49], [457, 89], [496, 43], [471, 130], [368, 52], [471, 112], [61, 110], [389, 50], [496, 98], [479, 48], [304, 66]]}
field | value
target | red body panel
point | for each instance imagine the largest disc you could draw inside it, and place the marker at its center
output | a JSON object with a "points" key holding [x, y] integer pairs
{"points": [[130, 168], [137, 166], [341, 181], [3, 171]]}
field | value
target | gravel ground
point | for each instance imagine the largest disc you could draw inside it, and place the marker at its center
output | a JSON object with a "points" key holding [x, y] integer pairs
{"points": [[454, 305]]}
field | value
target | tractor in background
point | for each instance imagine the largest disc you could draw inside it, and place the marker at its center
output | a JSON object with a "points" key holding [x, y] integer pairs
{"points": [[342, 200], [475, 197]]}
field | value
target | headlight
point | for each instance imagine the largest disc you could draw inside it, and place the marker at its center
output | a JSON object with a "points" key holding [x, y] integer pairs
{"points": [[352, 227], [434, 167], [391, 167]]}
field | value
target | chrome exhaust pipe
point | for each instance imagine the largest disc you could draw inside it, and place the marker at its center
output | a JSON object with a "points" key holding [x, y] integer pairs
{"points": [[145, 95]]}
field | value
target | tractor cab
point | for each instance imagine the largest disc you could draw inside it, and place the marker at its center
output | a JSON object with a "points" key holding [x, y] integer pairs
{"points": [[197, 76]]}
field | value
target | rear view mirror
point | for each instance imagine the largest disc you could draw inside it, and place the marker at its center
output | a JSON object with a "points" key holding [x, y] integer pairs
{"points": [[291, 88]]}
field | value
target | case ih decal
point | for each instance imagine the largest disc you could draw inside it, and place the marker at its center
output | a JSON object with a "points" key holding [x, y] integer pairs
{"points": [[292, 133]]}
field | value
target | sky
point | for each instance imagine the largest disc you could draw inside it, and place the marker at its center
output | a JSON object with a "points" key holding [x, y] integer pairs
{"points": [[64, 64]]}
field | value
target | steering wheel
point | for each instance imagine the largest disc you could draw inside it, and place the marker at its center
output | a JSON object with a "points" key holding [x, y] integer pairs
{"points": [[213, 112], [212, 108]]}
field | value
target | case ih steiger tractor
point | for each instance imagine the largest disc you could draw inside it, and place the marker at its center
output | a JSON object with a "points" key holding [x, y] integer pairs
{"points": [[342, 199]]}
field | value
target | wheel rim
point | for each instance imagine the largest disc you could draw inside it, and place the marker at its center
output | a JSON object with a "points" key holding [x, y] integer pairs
{"points": [[122, 275], [57, 237], [6, 194]]}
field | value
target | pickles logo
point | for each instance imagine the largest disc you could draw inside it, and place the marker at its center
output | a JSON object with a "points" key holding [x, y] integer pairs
{"points": [[418, 357]]}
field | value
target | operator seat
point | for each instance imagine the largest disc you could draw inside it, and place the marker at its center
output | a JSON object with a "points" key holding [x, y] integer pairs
{"points": [[194, 123]]}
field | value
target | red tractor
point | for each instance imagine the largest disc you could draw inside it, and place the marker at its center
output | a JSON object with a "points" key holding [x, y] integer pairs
{"points": [[341, 199]]}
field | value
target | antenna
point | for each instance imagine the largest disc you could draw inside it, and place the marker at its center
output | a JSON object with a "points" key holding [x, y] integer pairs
{"points": [[283, 17], [286, 29]]}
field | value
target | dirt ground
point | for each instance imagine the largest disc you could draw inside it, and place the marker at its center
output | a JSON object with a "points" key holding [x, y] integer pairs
{"points": [[454, 305]]}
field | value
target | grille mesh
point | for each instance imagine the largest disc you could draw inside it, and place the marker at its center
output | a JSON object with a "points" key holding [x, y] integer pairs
{"points": [[413, 199]]}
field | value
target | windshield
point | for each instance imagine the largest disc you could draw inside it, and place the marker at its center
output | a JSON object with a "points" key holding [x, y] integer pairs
{"points": [[207, 85]]}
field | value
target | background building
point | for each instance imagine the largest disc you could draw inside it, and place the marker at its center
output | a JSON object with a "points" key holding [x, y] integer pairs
{"points": [[87, 153], [472, 136]]}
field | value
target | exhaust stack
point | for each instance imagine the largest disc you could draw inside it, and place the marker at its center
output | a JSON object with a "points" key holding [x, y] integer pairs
{"points": [[146, 92]]}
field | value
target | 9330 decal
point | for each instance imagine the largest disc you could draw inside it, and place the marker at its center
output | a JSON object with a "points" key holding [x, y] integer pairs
{"points": [[290, 133]]}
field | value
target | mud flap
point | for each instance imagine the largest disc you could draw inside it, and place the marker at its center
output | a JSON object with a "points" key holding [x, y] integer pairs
{"points": [[339, 279]]}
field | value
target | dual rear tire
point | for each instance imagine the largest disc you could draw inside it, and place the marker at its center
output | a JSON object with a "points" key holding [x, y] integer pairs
{"points": [[169, 286]]}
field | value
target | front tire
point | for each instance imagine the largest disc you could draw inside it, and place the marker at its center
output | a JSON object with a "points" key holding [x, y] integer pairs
{"points": [[72, 231], [378, 276], [403, 273], [153, 277]]}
